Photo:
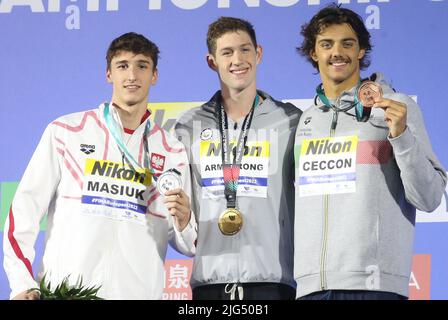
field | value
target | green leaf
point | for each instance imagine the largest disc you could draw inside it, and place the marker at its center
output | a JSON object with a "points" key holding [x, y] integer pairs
{"points": [[64, 291]]}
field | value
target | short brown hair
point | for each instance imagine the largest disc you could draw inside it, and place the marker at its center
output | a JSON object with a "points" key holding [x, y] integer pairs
{"points": [[228, 24], [135, 43], [328, 16]]}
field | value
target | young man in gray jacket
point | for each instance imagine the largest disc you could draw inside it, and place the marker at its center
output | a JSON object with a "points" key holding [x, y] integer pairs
{"points": [[364, 163], [240, 144]]}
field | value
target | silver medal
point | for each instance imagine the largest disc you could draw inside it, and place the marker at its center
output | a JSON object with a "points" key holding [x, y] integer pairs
{"points": [[169, 180]]}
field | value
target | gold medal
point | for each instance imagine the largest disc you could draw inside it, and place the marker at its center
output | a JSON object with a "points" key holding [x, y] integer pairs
{"points": [[230, 221]]}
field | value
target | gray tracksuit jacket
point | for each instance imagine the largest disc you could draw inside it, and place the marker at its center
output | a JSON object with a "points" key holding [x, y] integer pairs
{"points": [[363, 240], [263, 250]]}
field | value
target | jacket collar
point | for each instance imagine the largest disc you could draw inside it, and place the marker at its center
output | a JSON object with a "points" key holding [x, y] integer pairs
{"points": [[215, 101]]}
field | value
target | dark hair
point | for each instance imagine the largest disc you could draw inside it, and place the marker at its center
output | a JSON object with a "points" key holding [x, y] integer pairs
{"points": [[228, 24], [331, 15], [135, 43]]}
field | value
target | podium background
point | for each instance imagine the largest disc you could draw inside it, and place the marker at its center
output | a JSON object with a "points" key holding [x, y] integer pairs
{"points": [[53, 63]]}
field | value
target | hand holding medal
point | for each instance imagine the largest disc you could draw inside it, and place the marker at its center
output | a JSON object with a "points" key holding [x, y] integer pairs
{"points": [[395, 113], [169, 184]]}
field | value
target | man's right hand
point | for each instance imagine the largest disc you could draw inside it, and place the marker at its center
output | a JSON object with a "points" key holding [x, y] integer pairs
{"points": [[28, 295]]}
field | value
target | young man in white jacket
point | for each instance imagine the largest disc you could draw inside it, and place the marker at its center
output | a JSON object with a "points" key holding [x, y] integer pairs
{"points": [[115, 188]]}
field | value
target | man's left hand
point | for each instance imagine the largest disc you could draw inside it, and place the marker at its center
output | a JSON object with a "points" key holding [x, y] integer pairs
{"points": [[178, 204], [395, 114]]}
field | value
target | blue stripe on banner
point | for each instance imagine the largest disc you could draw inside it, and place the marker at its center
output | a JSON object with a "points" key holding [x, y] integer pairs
{"points": [[252, 181], [332, 178], [118, 204]]}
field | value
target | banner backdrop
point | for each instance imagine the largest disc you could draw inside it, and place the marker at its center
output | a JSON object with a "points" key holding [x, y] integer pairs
{"points": [[53, 63]]}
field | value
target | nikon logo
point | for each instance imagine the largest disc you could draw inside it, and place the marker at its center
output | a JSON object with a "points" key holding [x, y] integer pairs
{"points": [[117, 171], [325, 146], [253, 151]]}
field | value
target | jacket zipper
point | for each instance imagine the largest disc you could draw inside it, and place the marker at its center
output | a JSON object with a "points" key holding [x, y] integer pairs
{"points": [[323, 256]]}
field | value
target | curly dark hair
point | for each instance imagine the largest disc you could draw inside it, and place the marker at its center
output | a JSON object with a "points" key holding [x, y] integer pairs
{"points": [[328, 16], [228, 24], [135, 43]]}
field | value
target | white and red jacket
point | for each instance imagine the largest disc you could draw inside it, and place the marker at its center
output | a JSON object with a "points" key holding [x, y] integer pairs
{"points": [[106, 221]]}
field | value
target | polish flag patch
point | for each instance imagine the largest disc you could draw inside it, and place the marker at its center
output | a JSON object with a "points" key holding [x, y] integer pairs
{"points": [[157, 161]]}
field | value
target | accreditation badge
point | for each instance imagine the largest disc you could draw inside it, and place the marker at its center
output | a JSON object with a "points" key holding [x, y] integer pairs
{"points": [[254, 169], [115, 191], [327, 166]]}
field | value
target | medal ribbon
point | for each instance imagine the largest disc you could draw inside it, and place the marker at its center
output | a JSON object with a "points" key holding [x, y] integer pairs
{"points": [[231, 169], [359, 108], [111, 124]]}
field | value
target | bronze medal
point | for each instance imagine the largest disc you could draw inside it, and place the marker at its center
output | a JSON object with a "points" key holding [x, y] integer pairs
{"points": [[230, 221], [368, 92]]}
